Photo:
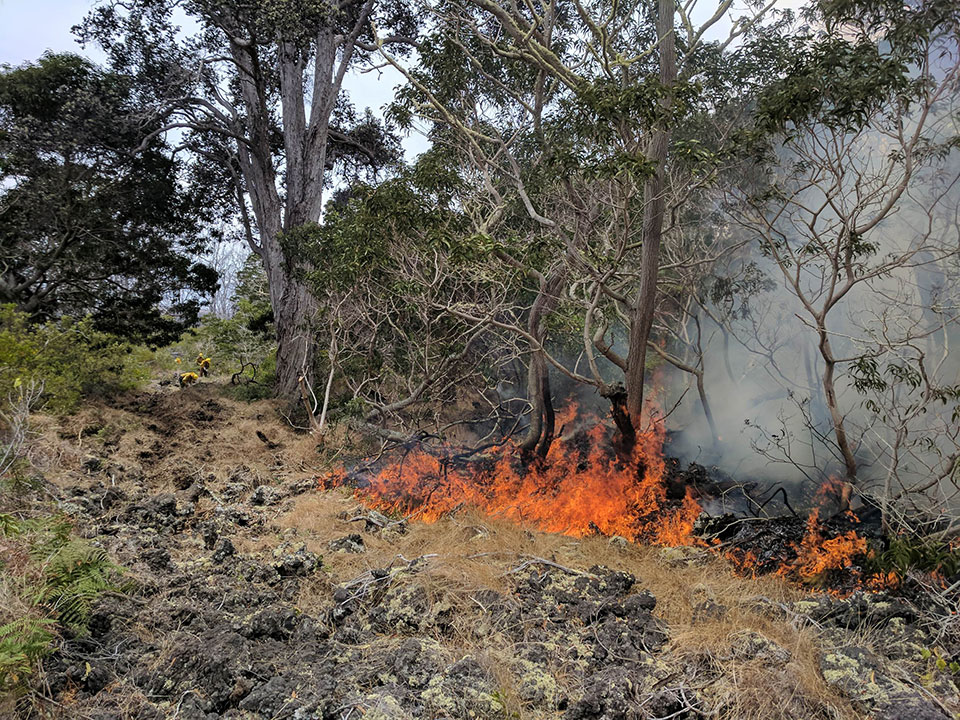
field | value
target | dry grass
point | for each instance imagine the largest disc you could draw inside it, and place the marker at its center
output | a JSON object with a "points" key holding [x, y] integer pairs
{"points": [[472, 552], [168, 439]]}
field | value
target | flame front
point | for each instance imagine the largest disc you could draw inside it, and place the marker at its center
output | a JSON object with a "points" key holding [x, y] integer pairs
{"points": [[816, 554], [579, 488]]}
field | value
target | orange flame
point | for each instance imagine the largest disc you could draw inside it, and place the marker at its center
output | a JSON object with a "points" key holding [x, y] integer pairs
{"points": [[816, 554], [582, 488], [575, 490]]}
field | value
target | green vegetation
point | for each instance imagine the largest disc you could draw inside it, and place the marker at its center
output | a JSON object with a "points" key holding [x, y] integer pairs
{"points": [[241, 346], [50, 582], [906, 553], [69, 357], [75, 200]]}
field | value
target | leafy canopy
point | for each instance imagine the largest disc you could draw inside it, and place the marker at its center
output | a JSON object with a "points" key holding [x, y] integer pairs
{"points": [[88, 226]]}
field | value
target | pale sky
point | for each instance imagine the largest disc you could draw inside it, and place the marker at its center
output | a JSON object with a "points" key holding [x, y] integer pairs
{"points": [[28, 28]]}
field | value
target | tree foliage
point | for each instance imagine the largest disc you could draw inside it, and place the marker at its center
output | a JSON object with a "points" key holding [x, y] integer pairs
{"points": [[87, 226]]}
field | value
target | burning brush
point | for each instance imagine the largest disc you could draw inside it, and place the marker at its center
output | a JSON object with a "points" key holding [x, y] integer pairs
{"points": [[580, 488], [583, 487]]}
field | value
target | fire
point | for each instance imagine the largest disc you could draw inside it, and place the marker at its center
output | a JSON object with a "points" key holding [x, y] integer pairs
{"points": [[816, 554], [830, 561], [580, 488]]}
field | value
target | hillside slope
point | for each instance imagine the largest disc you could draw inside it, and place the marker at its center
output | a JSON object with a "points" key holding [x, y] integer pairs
{"points": [[255, 595]]}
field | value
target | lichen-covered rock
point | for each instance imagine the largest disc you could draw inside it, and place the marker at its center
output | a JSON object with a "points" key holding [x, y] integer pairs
{"points": [[294, 559], [227, 515], [463, 690], [266, 495], [349, 544], [415, 662], [406, 608], [863, 678], [536, 684], [619, 542], [616, 693], [223, 549], [682, 556], [707, 611], [751, 645], [860, 610]]}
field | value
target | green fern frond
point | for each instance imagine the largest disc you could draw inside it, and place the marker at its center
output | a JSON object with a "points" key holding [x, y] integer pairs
{"points": [[22, 643], [10, 526], [74, 577]]}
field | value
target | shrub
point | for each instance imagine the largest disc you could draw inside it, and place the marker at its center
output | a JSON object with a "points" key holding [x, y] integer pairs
{"points": [[924, 554], [70, 358]]}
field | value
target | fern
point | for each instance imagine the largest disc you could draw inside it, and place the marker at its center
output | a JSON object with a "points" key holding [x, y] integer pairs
{"points": [[74, 576], [22, 643], [10, 526], [51, 535]]}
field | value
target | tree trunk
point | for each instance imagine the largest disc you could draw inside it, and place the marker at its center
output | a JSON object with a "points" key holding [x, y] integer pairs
{"points": [[705, 404], [305, 130], [535, 396], [653, 212], [296, 344], [829, 389], [549, 417], [617, 395], [540, 431]]}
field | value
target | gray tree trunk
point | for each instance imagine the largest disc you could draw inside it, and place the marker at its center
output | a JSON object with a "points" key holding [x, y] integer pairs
{"points": [[653, 212], [305, 141]]}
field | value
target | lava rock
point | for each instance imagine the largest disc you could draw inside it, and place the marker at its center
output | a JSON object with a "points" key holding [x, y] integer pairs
{"points": [[751, 645], [348, 544], [294, 559], [157, 559], [222, 551], [862, 676], [415, 662], [707, 611], [276, 623], [266, 495]]}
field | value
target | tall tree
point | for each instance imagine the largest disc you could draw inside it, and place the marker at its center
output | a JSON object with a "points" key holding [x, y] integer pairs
{"points": [[258, 89], [867, 115], [85, 228], [563, 113]]}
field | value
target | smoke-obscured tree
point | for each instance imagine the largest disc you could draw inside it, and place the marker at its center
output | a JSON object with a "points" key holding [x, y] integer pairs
{"points": [[866, 116], [85, 227], [257, 88]]}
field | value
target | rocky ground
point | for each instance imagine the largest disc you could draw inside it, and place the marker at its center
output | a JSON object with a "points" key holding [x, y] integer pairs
{"points": [[254, 595]]}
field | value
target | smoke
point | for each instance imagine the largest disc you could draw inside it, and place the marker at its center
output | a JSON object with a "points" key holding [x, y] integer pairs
{"points": [[893, 332]]}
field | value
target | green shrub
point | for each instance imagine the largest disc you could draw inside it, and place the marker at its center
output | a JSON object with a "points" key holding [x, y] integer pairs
{"points": [[905, 553], [243, 344], [254, 381], [70, 358]]}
